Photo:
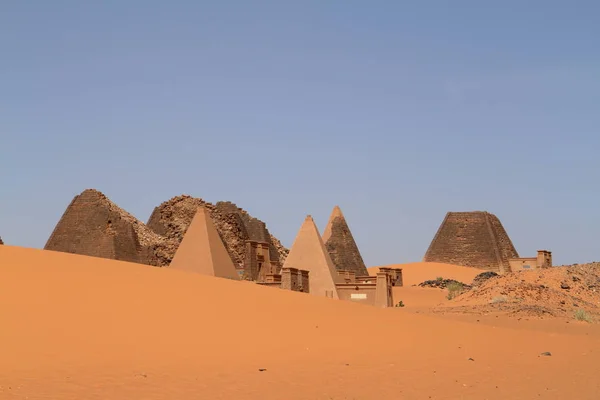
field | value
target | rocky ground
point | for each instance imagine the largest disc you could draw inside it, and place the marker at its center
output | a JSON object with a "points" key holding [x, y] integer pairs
{"points": [[566, 291], [442, 283]]}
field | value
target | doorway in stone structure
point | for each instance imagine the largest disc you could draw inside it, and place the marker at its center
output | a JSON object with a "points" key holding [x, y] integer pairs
{"points": [[259, 275]]}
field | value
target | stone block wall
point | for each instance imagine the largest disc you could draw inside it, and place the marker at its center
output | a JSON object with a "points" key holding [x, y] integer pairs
{"points": [[256, 262], [303, 281], [289, 279], [505, 246], [395, 275]]}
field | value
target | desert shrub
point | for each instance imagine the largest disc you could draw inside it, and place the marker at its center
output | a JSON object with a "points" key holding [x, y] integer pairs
{"points": [[582, 315], [400, 304], [499, 299], [454, 289], [484, 277], [439, 279]]}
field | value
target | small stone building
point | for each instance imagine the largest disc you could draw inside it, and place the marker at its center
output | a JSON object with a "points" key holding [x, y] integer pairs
{"points": [[543, 260], [257, 262], [293, 279], [371, 290]]}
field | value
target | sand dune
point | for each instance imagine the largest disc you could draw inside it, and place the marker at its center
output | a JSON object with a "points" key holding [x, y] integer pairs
{"points": [[417, 272], [75, 327], [422, 299]]}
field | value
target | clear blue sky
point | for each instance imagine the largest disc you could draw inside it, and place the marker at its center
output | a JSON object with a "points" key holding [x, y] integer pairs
{"points": [[398, 111]]}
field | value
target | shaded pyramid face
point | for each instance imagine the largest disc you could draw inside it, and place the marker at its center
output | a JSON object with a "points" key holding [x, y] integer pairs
{"points": [[309, 253], [341, 246], [94, 226], [473, 239], [202, 250]]}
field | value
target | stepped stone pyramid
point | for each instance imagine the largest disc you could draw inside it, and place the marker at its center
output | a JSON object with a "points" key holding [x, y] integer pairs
{"points": [[341, 245], [473, 239], [94, 226], [202, 250], [309, 253]]}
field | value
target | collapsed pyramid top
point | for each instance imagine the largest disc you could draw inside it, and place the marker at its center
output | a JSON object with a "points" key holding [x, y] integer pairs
{"points": [[309, 253], [473, 239], [202, 250], [341, 246], [93, 225]]}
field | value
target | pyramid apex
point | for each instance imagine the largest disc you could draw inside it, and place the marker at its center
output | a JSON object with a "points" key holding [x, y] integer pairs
{"points": [[337, 212]]}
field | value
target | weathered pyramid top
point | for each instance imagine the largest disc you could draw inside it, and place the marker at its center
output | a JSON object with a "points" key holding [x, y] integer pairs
{"points": [[337, 212]]}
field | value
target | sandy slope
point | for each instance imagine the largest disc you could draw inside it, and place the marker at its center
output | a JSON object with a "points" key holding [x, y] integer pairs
{"points": [[423, 299], [75, 327], [415, 273]]}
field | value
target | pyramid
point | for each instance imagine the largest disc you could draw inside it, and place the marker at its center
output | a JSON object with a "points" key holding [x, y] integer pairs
{"points": [[235, 226], [94, 226], [202, 249], [341, 245], [309, 253], [473, 239]]}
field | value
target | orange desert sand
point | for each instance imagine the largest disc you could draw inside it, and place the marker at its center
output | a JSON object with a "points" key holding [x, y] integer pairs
{"points": [[76, 327]]}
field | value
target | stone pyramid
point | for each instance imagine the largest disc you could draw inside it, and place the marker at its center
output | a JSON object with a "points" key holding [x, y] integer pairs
{"points": [[92, 225], [202, 249], [341, 245], [473, 239], [172, 218], [309, 253]]}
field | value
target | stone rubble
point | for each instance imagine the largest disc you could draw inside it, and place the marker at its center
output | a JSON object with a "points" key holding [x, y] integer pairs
{"points": [[172, 218]]}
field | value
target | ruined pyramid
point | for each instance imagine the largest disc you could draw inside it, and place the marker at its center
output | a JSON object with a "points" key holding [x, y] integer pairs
{"points": [[171, 219], [309, 253], [92, 225], [202, 250], [473, 239], [341, 245]]}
